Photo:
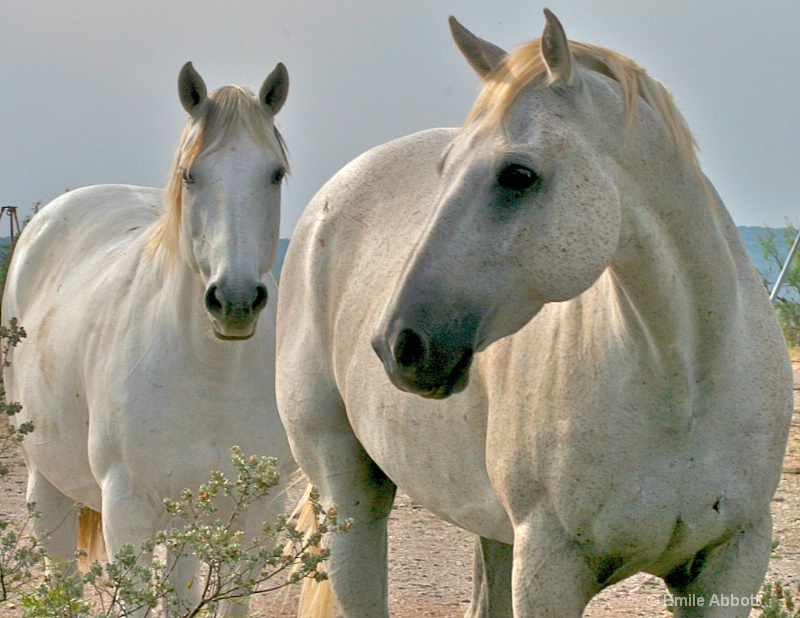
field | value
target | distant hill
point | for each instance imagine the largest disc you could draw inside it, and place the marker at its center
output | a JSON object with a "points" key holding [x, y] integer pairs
{"points": [[750, 237], [283, 245]]}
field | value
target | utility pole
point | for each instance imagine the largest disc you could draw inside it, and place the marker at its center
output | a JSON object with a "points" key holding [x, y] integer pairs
{"points": [[13, 223]]}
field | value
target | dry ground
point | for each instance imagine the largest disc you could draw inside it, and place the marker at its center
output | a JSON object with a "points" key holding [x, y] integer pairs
{"points": [[431, 561]]}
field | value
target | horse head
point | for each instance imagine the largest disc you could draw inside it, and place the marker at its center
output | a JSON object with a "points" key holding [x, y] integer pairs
{"points": [[225, 191], [528, 209]]}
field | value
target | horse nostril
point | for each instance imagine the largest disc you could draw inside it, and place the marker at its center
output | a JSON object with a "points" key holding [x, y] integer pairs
{"points": [[212, 301], [261, 298], [409, 349]]}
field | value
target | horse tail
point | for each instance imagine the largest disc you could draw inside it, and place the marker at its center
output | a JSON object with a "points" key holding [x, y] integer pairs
{"points": [[90, 537], [316, 597]]}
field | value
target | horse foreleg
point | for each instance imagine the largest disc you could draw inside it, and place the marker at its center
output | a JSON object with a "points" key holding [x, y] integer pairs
{"points": [[57, 524], [130, 519], [724, 581], [551, 577], [251, 525], [185, 577], [346, 476], [491, 582]]}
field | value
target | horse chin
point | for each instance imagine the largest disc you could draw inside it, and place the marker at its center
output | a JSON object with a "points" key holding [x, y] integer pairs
{"points": [[222, 337], [237, 328], [444, 391], [232, 334]]}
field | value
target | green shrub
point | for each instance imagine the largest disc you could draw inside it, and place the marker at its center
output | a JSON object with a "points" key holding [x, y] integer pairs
{"points": [[777, 601], [787, 302], [234, 567]]}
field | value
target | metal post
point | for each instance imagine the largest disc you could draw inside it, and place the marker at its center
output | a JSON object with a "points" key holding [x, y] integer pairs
{"points": [[13, 222], [785, 269]]}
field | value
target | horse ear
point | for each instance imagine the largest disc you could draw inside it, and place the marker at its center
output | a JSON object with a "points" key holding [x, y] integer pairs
{"points": [[555, 51], [482, 56], [191, 89], [275, 89]]}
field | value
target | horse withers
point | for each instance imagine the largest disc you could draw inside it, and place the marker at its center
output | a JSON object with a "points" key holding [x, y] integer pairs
{"points": [[151, 330], [543, 327]]}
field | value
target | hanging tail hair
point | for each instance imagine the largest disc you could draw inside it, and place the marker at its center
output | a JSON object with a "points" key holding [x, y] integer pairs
{"points": [[90, 537], [316, 597]]}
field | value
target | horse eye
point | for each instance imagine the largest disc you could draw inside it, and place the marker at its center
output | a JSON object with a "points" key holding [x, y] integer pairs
{"points": [[517, 178], [277, 175], [187, 177]]}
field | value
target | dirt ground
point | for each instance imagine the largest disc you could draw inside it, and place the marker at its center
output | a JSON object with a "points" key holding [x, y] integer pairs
{"points": [[431, 561]]}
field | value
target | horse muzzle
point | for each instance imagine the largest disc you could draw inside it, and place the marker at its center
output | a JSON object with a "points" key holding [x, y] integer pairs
{"points": [[434, 368], [234, 308]]}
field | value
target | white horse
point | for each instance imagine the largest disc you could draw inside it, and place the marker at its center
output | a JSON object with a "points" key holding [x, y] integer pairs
{"points": [[143, 364], [605, 389]]}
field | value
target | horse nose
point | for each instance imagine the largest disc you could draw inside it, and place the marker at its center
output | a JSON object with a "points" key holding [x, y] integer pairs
{"points": [[410, 350], [213, 300], [261, 298], [418, 363], [222, 304]]}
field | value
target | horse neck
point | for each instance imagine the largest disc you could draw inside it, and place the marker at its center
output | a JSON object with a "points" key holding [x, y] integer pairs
{"points": [[674, 269]]}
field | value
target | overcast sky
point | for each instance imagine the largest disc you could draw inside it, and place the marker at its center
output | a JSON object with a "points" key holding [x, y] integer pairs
{"points": [[89, 86]]}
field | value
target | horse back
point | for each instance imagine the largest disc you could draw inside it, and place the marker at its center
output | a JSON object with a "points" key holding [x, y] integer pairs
{"points": [[63, 238]]}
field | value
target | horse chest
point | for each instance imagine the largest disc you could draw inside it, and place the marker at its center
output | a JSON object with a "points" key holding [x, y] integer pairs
{"points": [[435, 452], [169, 405], [639, 473]]}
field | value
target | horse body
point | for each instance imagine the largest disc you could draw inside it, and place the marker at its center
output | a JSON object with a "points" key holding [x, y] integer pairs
{"points": [[130, 374], [604, 383], [340, 225]]}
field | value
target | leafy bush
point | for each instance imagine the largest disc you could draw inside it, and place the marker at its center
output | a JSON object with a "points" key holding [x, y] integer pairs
{"points": [[10, 336], [5, 249], [787, 302], [777, 601], [234, 567]]}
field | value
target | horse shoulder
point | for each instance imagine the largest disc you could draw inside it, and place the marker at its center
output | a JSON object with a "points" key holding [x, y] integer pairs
{"points": [[374, 204], [345, 253]]}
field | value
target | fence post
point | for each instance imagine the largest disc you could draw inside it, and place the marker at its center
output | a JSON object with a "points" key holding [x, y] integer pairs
{"points": [[13, 221]]}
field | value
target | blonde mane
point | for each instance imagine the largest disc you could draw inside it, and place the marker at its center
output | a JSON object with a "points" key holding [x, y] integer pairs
{"points": [[526, 65], [226, 110]]}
